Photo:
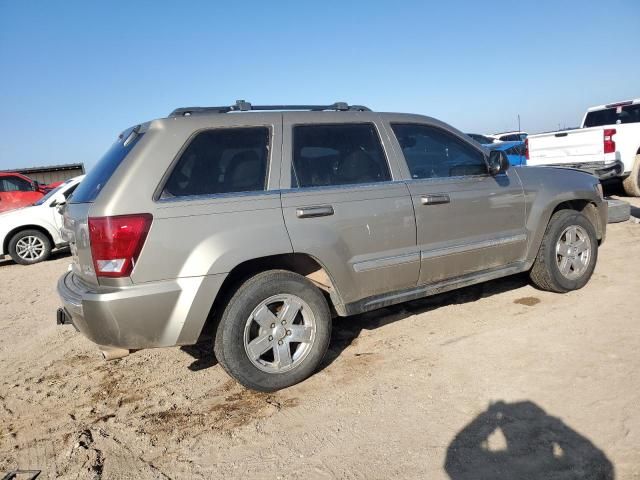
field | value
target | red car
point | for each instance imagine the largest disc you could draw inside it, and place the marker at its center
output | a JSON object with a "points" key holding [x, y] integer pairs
{"points": [[18, 191]]}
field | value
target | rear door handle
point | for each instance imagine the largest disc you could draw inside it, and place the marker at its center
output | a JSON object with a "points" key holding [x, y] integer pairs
{"points": [[315, 211], [435, 199]]}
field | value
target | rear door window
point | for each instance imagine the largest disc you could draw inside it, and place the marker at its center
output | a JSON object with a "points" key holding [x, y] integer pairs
{"points": [[434, 153], [337, 154], [226, 160], [612, 116], [100, 174]]}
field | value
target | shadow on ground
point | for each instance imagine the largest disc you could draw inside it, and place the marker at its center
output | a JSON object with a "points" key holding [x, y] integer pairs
{"points": [[63, 252], [347, 329], [521, 441], [203, 355]]}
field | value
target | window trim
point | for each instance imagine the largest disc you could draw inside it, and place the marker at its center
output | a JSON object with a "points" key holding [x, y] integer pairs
{"points": [[446, 132], [157, 194], [351, 185]]}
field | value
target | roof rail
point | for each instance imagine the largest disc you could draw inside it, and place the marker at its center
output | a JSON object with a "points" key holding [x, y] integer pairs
{"points": [[244, 106]]}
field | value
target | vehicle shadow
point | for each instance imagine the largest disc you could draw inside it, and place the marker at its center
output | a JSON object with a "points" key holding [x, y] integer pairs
{"points": [[347, 329], [202, 353], [520, 440], [613, 188], [63, 252]]}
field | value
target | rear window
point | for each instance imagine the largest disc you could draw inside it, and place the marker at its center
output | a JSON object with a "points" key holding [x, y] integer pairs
{"points": [[225, 160], [513, 137], [100, 174], [612, 116]]}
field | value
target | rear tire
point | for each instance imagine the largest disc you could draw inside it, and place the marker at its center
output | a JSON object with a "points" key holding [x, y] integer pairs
{"points": [[631, 184], [274, 332], [29, 246], [568, 254]]}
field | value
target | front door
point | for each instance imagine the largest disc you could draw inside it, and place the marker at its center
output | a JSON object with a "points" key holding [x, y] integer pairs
{"points": [[344, 207], [16, 192], [467, 220]]}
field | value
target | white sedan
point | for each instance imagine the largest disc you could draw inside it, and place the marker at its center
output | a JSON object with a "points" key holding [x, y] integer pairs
{"points": [[29, 234]]}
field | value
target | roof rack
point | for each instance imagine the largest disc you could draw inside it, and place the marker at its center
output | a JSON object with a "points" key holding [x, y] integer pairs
{"points": [[244, 106]]}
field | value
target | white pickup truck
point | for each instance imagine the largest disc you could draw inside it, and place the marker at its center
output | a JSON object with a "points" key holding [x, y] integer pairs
{"points": [[607, 145]]}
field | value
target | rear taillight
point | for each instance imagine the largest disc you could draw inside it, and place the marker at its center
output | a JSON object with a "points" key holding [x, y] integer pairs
{"points": [[609, 144], [526, 148], [116, 243]]}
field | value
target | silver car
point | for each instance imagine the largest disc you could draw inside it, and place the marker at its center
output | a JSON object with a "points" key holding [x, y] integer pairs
{"points": [[253, 226]]}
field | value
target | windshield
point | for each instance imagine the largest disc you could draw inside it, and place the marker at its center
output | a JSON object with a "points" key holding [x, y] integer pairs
{"points": [[52, 193], [613, 116]]}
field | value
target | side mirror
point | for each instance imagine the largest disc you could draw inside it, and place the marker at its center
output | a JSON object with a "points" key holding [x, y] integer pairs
{"points": [[498, 162], [35, 186]]}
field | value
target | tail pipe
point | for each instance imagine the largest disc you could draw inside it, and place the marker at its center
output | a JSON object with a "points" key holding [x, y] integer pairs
{"points": [[110, 353]]}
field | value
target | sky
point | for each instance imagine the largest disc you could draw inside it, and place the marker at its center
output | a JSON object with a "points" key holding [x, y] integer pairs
{"points": [[73, 74]]}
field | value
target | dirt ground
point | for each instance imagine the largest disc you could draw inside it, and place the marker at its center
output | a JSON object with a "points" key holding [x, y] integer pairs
{"points": [[494, 381]]}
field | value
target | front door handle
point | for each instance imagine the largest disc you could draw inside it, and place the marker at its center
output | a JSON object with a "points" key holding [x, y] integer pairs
{"points": [[435, 199], [315, 211]]}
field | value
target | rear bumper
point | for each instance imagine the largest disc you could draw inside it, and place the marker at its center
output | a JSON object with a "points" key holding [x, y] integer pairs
{"points": [[155, 314]]}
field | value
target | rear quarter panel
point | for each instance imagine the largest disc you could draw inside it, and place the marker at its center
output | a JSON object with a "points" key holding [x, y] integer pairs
{"points": [[195, 236]]}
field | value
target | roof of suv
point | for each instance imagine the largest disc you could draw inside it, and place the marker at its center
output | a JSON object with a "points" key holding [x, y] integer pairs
{"points": [[332, 111], [244, 106]]}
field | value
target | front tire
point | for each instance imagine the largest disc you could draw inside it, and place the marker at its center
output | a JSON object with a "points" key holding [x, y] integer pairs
{"points": [[29, 246], [568, 254], [274, 332], [631, 184]]}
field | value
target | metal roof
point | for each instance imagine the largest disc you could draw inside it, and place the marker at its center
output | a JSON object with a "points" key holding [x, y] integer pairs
{"points": [[50, 168]]}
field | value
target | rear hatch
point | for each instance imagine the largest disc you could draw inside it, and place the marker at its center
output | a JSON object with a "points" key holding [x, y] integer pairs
{"points": [[583, 145], [75, 229]]}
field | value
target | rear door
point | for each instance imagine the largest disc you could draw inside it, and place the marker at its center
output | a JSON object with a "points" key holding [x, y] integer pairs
{"points": [[467, 220], [346, 206]]}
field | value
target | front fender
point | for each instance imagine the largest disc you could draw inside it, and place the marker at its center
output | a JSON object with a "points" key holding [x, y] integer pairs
{"points": [[545, 189]]}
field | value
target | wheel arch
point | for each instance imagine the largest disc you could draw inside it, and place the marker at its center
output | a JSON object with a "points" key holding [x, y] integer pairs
{"points": [[539, 223], [14, 231], [300, 263], [587, 207]]}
